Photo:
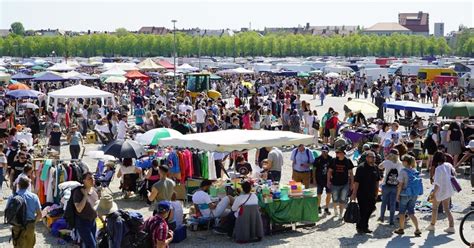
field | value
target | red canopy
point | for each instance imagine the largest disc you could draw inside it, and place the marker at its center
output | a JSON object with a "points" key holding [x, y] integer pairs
{"points": [[136, 75], [167, 65]]}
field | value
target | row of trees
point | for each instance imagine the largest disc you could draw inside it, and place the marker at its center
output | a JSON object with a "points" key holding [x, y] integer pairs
{"points": [[243, 44]]}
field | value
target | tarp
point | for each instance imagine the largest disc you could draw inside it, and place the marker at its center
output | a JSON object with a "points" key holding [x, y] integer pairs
{"points": [[136, 75], [149, 65], [410, 106], [21, 76], [49, 77], [236, 139]]}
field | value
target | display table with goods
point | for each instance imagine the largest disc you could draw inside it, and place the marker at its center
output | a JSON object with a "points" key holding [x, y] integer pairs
{"points": [[288, 204]]}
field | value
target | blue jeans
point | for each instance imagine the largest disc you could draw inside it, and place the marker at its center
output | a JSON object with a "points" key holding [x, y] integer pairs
{"points": [[389, 198], [87, 230], [339, 193]]}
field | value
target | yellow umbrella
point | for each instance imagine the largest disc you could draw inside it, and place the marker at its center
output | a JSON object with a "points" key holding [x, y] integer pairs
{"points": [[213, 94], [363, 106]]}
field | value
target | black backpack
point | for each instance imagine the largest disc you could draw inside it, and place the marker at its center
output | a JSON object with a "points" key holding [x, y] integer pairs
{"points": [[15, 211], [133, 220], [70, 212], [315, 124], [392, 178]]}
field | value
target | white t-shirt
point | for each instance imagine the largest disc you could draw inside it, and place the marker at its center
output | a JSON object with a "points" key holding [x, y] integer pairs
{"points": [[200, 115], [442, 178], [392, 136], [178, 212], [201, 197], [239, 201], [389, 165], [121, 130]]}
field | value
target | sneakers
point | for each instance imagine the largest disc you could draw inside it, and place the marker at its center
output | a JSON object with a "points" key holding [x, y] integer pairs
{"points": [[417, 233], [319, 210], [326, 211], [430, 228], [380, 219], [219, 231], [450, 230]]}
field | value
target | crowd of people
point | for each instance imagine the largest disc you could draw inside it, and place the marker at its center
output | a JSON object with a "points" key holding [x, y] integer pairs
{"points": [[273, 102]]}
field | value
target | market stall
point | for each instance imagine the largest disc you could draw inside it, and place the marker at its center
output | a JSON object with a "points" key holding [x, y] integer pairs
{"points": [[79, 91]]}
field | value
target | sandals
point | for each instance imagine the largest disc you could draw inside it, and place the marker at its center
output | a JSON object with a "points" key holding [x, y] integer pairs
{"points": [[399, 231]]}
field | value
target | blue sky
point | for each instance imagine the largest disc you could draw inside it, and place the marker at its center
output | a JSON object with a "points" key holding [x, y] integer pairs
{"points": [[82, 15]]}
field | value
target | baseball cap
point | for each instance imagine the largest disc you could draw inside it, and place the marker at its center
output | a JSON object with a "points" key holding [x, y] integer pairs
{"points": [[325, 148], [163, 206]]}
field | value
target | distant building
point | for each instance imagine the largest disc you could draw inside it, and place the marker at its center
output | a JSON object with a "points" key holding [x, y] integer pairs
{"points": [[154, 30], [207, 32], [439, 29], [49, 32], [418, 23], [4, 32], [281, 30], [386, 28], [333, 30]]}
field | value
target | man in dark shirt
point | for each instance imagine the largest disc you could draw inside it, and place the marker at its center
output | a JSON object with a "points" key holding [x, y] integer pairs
{"points": [[340, 179], [321, 165], [181, 127], [366, 185]]}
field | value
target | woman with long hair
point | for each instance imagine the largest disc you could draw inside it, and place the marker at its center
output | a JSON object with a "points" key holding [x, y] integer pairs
{"points": [[392, 167]]}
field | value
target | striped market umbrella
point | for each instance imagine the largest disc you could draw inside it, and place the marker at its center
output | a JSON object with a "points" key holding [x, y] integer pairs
{"points": [[153, 136]]}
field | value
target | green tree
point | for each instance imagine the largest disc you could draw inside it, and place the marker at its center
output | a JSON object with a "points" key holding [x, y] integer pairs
{"points": [[17, 28], [121, 32]]}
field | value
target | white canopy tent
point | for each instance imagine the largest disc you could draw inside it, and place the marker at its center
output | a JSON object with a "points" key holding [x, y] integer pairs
{"points": [[237, 140], [113, 72], [71, 74], [116, 79], [61, 67], [121, 66], [79, 91], [186, 68], [5, 77]]}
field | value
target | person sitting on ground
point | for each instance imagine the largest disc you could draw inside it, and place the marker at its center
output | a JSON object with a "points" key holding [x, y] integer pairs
{"points": [[246, 198], [157, 227], [208, 208]]}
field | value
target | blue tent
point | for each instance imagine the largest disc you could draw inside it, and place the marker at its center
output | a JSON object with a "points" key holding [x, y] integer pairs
{"points": [[49, 77], [21, 76], [409, 106], [23, 94]]}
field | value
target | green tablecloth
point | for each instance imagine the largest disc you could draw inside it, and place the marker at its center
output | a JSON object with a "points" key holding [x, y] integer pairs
{"points": [[293, 210]]}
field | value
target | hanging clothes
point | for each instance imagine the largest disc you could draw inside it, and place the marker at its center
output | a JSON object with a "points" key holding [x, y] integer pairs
{"points": [[182, 166], [196, 165], [204, 165], [211, 166], [44, 172], [50, 185], [188, 159], [40, 185]]}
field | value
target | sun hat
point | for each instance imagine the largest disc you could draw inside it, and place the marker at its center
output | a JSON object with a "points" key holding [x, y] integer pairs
{"points": [[105, 205], [445, 127]]}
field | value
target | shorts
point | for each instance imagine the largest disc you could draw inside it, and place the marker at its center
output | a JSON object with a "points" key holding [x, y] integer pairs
{"points": [[321, 189], [407, 204], [339, 193], [326, 133]]}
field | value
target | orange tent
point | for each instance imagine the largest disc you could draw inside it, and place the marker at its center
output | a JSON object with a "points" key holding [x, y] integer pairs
{"points": [[137, 75], [18, 86]]}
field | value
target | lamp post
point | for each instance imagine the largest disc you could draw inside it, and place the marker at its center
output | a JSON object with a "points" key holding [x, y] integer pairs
{"points": [[174, 49], [199, 48], [53, 54]]}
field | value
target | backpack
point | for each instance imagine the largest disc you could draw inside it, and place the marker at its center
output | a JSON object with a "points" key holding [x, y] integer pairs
{"points": [[392, 177], [414, 185], [70, 212], [133, 220], [15, 211]]}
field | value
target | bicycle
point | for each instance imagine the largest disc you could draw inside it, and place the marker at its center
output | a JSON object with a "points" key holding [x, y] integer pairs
{"points": [[466, 229]]}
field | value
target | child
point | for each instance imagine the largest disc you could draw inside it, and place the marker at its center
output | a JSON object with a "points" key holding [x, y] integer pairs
{"points": [[406, 196]]}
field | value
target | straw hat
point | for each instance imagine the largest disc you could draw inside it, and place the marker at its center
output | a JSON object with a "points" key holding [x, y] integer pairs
{"points": [[105, 205]]}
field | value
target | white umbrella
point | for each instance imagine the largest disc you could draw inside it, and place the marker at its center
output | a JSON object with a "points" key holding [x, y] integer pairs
{"points": [[30, 105], [99, 155], [153, 136], [332, 75]]}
